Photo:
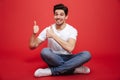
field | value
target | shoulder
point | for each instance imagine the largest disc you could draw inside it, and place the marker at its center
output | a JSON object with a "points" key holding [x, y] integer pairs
{"points": [[71, 28]]}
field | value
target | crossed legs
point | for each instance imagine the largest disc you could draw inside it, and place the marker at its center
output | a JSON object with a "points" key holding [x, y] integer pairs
{"points": [[63, 64]]}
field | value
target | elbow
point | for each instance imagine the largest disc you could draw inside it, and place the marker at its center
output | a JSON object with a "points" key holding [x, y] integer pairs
{"points": [[32, 46]]}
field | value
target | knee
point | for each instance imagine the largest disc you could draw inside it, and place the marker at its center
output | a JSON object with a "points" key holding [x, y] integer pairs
{"points": [[87, 54], [45, 52]]}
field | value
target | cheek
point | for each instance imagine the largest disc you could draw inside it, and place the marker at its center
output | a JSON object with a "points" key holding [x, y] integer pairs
{"points": [[54, 17], [62, 17]]}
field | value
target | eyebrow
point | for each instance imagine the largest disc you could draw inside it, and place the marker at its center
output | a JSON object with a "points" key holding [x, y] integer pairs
{"points": [[60, 13]]}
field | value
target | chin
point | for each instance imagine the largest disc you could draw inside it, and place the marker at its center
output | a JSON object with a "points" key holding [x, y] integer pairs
{"points": [[59, 24]]}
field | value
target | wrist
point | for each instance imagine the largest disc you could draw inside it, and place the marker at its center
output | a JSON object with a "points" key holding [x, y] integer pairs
{"points": [[34, 33]]}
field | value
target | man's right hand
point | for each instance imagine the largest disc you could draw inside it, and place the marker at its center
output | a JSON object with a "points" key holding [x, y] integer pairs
{"points": [[35, 28]]}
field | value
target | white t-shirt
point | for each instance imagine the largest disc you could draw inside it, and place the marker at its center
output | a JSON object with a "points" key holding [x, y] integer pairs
{"points": [[65, 34]]}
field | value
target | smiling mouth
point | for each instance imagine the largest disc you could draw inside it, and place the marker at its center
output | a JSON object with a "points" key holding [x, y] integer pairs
{"points": [[58, 20]]}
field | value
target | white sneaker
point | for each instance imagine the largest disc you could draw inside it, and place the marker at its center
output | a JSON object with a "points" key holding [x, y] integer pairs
{"points": [[42, 72], [82, 69]]}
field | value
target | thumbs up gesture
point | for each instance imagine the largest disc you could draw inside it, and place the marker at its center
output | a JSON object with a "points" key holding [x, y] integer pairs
{"points": [[35, 27]]}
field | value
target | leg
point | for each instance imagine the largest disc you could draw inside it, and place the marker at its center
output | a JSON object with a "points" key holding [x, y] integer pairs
{"points": [[73, 63], [82, 69], [51, 58]]}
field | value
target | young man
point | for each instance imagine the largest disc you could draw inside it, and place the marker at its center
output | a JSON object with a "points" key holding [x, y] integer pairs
{"points": [[61, 41]]}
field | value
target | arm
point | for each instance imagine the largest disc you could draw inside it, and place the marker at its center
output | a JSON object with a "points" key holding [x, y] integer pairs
{"points": [[34, 42], [67, 45]]}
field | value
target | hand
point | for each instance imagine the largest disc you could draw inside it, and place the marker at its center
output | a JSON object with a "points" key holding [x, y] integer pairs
{"points": [[50, 33], [35, 28]]}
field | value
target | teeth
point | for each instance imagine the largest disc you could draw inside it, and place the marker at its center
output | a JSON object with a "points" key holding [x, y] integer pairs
{"points": [[58, 20]]}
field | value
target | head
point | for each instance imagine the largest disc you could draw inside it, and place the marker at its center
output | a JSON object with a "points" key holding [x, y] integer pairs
{"points": [[60, 14]]}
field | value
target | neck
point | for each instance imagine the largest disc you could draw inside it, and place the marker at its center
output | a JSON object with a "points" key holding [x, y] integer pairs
{"points": [[60, 27]]}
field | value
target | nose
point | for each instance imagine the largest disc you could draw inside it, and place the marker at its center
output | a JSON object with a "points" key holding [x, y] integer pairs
{"points": [[58, 16]]}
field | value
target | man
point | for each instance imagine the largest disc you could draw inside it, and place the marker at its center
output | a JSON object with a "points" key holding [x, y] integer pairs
{"points": [[61, 42]]}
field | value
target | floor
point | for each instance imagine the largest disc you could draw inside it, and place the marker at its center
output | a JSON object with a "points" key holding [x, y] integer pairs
{"points": [[18, 67]]}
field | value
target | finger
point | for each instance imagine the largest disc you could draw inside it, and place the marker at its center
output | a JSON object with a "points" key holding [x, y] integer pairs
{"points": [[51, 28], [47, 30], [35, 23]]}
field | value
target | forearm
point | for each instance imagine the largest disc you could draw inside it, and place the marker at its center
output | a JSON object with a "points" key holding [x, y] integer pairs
{"points": [[33, 43], [65, 44]]}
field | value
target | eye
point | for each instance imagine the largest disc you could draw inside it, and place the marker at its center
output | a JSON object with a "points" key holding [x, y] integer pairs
{"points": [[62, 14], [56, 14]]}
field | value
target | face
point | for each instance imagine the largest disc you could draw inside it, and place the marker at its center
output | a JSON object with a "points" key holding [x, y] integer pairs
{"points": [[59, 17]]}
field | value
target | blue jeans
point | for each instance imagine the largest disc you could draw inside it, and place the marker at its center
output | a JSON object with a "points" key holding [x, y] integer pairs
{"points": [[64, 64]]}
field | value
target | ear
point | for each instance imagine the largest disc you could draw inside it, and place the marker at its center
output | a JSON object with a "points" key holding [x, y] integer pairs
{"points": [[66, 17]]}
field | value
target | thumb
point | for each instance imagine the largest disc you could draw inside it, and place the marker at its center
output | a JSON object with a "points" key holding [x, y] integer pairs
{"points": [[51, 28], [35, 23]]}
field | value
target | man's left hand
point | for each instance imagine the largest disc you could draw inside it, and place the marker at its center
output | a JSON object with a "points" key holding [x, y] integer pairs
{"points": [[50, 33]]}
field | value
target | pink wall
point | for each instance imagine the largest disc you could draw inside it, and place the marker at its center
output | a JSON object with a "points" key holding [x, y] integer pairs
{"points": [[98, 23]]}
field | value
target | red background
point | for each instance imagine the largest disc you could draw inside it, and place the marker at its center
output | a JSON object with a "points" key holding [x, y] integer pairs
{"points": [[98, 23]]}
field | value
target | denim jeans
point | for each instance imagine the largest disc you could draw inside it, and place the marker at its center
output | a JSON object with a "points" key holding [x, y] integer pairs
{"points": [[64, 64]]}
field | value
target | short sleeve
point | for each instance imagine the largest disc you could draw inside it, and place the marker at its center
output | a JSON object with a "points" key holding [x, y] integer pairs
{"points": [[74, 33], [42, 35]]}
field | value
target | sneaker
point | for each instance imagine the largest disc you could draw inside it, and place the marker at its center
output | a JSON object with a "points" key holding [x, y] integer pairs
{"points": [[82, 69], [42, 72]]}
